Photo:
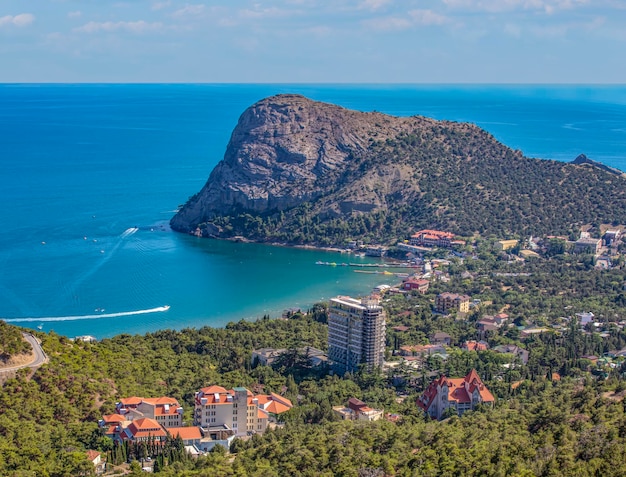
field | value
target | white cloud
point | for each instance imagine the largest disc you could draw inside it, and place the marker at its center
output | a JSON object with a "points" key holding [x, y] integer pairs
{"points": [[374, 4], [137, 27], [498, 6], [75, 14], [412, 19], [189, 10], [21, 20], [161, 5], [427, 17]]}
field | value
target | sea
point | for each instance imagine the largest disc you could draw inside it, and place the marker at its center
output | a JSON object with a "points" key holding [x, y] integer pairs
{"points": [[92, 173]]}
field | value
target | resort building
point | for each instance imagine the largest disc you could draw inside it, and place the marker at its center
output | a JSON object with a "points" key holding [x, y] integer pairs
{"points": [[236, 409], [165, 410], [460, 394], [356, 333], [357, 410], [432, 238], [142, 430], [418, 284], [451, 301]]}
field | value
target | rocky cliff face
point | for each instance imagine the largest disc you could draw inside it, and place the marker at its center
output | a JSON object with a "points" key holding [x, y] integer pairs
{"points": [[301, 171], [287, 150]]}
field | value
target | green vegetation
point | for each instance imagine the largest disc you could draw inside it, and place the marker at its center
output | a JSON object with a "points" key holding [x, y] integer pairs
{"points": [[11, 342], [463, 181], [572, 425]]}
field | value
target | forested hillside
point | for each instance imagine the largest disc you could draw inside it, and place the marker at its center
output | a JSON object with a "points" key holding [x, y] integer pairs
{"points": [[298, 171]]}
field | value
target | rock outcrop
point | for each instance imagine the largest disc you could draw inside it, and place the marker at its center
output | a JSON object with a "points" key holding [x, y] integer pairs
{"points": [[297, 170]]}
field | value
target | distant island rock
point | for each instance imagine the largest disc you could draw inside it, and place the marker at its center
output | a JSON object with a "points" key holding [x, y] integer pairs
{"points": [[302, 171]]}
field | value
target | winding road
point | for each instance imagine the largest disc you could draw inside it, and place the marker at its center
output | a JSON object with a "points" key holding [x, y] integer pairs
{"points": [[40, 356]]}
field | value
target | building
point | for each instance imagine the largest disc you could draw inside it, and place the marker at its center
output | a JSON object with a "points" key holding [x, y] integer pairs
{"points": [[422, 350], [441, 338], [451, 301], [236, 409], [460, 394], [142, 430], [416, 284], [357, 410], [432, 238], [165, 410], [503, 245], [587, 245], [474, 345], [96, 459], [611, 236], [356, 333], [515, 350]]}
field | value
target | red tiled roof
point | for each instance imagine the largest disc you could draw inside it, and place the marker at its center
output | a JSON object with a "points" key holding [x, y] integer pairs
{"points": [[131, 401], [459, 390], [92, 455], [185, 433], [113, 418], [145, 427]]}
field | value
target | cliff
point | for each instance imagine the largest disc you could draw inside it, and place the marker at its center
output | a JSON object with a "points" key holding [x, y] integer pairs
{"points": [[297, 170]]}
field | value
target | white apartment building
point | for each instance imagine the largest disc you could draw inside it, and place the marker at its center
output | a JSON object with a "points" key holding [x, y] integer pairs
{"points": [[356, 333]]}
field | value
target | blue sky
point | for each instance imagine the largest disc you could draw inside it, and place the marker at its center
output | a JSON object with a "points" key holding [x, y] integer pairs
{"points": [[282, 41]]}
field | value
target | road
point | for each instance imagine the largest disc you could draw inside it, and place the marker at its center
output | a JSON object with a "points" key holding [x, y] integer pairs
{"points": [[39, 359]]}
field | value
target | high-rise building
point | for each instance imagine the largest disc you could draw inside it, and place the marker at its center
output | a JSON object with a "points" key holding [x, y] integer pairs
{"points": [[356, 333]]}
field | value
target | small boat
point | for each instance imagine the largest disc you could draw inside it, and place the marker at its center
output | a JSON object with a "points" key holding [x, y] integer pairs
{"points": [[166, 307], [40, 326]]}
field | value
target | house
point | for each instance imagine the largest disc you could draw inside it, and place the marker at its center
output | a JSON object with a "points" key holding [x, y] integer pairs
{"points": [[96, 459], [587, 245], [611, 236], [521, 353], [357, 410], [418, 284], [432, 238], [491, 323], [474, 345], [266, 356], [585, 318], [165, 410], [503, 245], [452, 301], [528, 332], [422, 350], [441, 338], [459, 394]]}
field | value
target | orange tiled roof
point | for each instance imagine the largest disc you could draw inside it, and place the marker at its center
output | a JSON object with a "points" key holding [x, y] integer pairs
{"points": [[262, 414], [185, 433], [131, 401], [214, 389], [145, 427], [92, 454], [113, 418], [161, 401]]}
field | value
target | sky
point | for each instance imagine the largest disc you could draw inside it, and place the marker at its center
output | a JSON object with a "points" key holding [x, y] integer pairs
{"points": [[313, 41]]}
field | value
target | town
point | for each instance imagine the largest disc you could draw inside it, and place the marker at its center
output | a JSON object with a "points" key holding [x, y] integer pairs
{"points": [[448, 339]]}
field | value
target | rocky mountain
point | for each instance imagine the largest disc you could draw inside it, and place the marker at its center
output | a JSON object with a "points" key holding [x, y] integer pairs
{"points": [[297, 170]]}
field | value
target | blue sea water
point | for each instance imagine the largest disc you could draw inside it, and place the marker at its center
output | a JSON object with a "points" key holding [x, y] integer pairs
{"points": [[91, 175]]}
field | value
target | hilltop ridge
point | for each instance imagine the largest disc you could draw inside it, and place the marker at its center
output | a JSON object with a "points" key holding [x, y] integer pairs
{"points": [[302, 171]]}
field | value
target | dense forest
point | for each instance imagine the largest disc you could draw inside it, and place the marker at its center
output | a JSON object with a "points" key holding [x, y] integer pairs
{"points": [[557, 414]]}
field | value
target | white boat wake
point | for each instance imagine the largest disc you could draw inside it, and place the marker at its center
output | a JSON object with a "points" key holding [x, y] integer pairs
{"points": [[129, 231], [158, 309]]}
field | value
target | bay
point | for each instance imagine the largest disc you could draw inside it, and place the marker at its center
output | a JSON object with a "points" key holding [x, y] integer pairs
{"points": [[91, 175]]}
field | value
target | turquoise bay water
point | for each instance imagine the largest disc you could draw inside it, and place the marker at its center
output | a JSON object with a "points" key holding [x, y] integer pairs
{"points": [[91, 174]]}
